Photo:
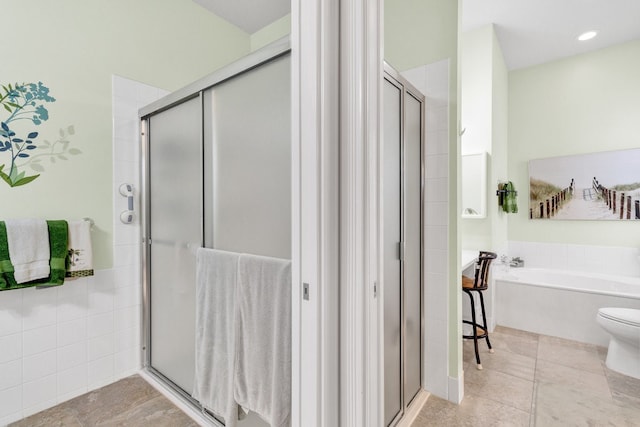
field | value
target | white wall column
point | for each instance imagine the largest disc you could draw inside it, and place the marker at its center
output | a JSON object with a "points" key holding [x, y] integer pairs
{"points": [[315, 204], [360, 316], [336, 123]]}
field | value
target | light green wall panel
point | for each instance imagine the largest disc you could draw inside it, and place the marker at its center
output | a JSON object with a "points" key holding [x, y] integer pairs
{"points": [[500, 143], [418, 32], [271, 32], [476, 68], [73, 47], [583, 104], [485, 119]]}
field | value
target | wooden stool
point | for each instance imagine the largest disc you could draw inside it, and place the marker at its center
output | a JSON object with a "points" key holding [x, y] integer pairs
{"points": [[478, 284]]}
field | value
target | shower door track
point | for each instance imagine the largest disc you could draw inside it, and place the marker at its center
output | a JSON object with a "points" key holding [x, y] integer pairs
{"points": [[178, 393]]}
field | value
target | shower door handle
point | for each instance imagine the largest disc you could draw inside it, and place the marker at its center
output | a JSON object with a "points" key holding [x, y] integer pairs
{"points": [[401, 251]]}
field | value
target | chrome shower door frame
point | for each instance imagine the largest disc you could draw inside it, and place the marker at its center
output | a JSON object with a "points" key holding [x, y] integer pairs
{"points": [[407, 89], [197, 89]]}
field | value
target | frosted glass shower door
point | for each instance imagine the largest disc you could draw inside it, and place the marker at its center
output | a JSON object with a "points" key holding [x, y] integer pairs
{"points": [[175, 230], [248, 162], [413, 246], [402, 178], [218, 175], [392, 266]]}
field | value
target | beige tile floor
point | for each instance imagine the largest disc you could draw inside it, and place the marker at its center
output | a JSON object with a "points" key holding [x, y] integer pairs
{"points": [[537, 380], [130, 402], [530, 380]]}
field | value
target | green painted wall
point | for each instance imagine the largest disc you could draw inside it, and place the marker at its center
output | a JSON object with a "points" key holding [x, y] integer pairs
{"points": [[271, 32], [476, 65], [500, 141], [419, 32], [583, 104], [73, 47], [485, 118]]}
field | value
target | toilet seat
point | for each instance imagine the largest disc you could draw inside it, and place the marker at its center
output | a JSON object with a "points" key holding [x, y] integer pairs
{"points": [[628, 316]]}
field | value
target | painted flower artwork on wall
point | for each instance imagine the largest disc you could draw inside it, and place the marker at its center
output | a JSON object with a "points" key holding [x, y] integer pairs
{"points": [[21, 146]]}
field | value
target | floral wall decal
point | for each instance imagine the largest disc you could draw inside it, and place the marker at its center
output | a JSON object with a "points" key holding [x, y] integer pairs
{"points": [[25, 107]]}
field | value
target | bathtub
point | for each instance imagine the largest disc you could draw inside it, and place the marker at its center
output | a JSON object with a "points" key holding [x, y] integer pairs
{"points": [[560, 303]]}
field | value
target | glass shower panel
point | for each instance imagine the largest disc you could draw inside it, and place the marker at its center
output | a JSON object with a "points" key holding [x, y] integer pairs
{"points": [[250, 142], [175, 194], [392, 112], [412, 232]]}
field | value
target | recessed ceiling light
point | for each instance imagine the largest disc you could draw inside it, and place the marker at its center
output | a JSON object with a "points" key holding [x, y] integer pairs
{"points": [[587, 36]]}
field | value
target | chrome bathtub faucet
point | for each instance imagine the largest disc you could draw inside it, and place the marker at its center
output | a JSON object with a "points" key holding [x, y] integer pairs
{"points": [[516, 262]]}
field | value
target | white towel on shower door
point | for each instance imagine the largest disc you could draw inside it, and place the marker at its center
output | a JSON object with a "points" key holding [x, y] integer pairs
{"points": [[28, 241], [215, 299], [263, 338]]}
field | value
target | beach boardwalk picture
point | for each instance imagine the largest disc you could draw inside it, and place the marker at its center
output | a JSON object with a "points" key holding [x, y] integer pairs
{"points": [[596, 186]]}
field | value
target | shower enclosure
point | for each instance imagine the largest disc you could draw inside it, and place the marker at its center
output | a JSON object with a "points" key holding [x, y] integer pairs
{"points": [[402, 196], [217, 174]]}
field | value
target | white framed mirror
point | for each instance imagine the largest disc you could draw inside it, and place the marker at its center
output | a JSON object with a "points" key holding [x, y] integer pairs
{"points": [[474, 185]]}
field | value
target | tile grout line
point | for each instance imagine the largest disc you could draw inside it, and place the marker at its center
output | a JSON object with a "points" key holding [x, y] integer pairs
{"points": [[603, 365], [534, 392], [500, 402]]}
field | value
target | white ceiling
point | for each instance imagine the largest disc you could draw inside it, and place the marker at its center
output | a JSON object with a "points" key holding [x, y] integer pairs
{"points": [[532, 32], [249, 15]]}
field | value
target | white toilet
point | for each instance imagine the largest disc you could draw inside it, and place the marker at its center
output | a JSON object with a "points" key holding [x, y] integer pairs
{"points": [[623, 324]]}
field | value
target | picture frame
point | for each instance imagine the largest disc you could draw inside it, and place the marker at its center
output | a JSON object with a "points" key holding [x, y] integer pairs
{"points": [[593, 186]]}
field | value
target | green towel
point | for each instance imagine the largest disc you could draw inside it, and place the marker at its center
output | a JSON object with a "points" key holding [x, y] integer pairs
{"points": [[502, 192], [58, 242], [7, 281], [510, 204], [58, 245]]}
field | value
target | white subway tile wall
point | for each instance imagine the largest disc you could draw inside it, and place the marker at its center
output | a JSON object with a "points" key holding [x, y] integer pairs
{"points": [[617, 261], [59, 343], [433, 81]]}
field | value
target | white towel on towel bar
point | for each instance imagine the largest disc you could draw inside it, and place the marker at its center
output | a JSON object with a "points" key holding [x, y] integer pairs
{"points": [[28, 241], [215, 298], [263, 338]]}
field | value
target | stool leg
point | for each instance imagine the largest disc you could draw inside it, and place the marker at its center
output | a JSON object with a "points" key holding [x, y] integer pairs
{"points": [[475, 330], [484, 319]]}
